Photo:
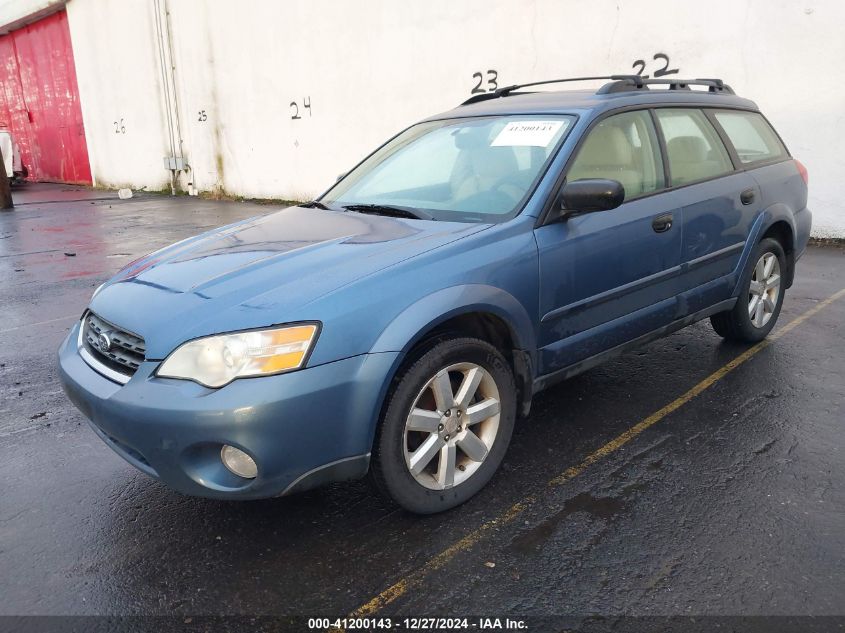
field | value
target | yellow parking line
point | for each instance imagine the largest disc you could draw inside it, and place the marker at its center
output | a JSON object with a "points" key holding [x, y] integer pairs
{"points": [[416, 577]]}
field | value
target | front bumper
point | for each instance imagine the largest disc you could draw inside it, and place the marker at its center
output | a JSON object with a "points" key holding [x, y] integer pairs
{"points": [[303, 428]]}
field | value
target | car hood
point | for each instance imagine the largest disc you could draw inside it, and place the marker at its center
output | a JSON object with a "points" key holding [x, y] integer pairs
{"points": [[259, 272]]}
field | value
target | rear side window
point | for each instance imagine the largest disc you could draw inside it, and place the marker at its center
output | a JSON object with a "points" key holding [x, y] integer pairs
{"points": [[752, 137], [693, 147]]}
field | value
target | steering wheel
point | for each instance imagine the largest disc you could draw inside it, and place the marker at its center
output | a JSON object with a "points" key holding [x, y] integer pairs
{"points": [[509, 185]]}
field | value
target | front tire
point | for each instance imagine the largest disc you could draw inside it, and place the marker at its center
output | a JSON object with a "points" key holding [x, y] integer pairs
{"points": [[758, 305], [446, 427]]}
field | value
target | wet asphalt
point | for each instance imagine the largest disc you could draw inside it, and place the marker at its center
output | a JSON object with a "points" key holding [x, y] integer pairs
{"points": [[732, 505]]}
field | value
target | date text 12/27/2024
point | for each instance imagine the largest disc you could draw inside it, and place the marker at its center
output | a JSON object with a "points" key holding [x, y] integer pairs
{"points": [[417, 624]]}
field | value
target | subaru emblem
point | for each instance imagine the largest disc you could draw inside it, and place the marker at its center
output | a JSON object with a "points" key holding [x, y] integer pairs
{"points": [[104, 342]]}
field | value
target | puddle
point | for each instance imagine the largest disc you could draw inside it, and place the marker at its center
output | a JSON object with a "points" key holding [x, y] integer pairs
{"points": [[603, 508]]}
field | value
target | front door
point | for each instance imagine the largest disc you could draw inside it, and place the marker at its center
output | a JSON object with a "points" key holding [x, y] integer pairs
{"points": [[611, 276]]}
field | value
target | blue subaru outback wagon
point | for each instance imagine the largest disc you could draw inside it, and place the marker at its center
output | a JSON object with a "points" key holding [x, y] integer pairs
{"points": [[399, 324]]}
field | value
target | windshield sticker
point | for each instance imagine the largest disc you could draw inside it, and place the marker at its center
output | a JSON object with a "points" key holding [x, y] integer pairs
{"points": [[528, 133]]}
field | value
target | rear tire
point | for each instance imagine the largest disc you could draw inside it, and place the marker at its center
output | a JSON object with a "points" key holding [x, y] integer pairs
{"points": [[760, 299], [446, 426]]}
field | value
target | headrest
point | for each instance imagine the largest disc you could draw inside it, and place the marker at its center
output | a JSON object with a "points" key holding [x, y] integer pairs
{"points": [[687, 149], [607, 146]]}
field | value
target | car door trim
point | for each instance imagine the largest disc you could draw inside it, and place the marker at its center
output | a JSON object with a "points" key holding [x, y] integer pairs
{"points": [[639, 284], [547, 380], [613, 293], [722, 252]]}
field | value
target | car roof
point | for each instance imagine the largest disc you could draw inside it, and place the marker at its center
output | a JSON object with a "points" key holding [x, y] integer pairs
{"points": [[588, 101]]}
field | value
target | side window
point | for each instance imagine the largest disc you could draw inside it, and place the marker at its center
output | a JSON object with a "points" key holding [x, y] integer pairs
{"points": [[751, 135], [622, 147], [693, 147]]}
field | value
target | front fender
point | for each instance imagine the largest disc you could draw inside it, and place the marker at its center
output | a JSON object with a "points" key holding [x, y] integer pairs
{"points": [[411, 324]]}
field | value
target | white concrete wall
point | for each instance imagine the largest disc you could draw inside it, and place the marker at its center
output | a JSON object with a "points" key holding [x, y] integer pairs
{"points": [[120, 91], [371, 67]]}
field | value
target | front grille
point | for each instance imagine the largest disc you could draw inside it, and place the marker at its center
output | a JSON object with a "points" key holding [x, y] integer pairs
{"points": [[117, 349]]}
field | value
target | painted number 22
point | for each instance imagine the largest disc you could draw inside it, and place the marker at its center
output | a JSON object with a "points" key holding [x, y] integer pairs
{"points": [[660, 72], [492, 76]]}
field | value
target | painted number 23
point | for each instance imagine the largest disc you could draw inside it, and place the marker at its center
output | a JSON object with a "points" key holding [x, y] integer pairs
{"points": [[492, 76]]}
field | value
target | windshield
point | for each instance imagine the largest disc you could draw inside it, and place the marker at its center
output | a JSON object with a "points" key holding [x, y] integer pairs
{"points": [[467, 170]]}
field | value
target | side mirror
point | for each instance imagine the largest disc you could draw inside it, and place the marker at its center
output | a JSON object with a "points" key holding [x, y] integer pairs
{"points": [[590, 195]]}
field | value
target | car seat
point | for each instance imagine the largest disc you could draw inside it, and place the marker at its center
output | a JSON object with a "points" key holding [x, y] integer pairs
{"points": [[689, 160], [480, 169]]}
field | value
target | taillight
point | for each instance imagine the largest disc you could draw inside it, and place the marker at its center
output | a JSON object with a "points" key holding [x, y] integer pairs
{"points": [[803, 171]]}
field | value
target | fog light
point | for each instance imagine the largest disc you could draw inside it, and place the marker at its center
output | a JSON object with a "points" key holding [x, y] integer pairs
{"points": [[238, 462]]}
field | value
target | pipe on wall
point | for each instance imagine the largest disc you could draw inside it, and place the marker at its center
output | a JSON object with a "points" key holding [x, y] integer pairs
{"points": [[164, 34]]}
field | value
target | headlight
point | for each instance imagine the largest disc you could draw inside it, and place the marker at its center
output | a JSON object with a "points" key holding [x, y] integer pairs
{"points": [[215, 361]]}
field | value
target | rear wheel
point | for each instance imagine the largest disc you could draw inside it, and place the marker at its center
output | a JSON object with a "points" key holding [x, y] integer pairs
{"points": [[446, 427], [759, 303]]}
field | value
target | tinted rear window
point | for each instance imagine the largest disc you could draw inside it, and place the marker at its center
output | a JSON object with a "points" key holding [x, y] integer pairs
{"points": [[752, 137]]}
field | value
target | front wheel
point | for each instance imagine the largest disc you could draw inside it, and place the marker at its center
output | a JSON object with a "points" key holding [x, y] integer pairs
{"points": [[760, 300], [446, 427]]}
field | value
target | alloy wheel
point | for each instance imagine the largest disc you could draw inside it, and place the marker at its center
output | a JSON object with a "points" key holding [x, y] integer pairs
{"points": [[452, 426], [764, 290]]}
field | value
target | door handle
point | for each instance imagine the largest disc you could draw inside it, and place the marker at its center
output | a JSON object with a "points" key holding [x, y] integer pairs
{"points": [[747, 196], [662, 222]]}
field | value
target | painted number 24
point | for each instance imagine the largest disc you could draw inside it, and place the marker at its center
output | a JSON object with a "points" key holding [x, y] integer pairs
{"points": [[306, 103]]}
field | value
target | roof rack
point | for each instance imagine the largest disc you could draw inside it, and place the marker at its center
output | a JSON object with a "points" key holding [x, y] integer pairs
{"points": [[505, 91], [618, 83], [633, 83]]}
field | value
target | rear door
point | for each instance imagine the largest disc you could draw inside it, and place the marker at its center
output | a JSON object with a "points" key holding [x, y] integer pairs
{"points": [[762, 154], [609, 277], [719, 204]]}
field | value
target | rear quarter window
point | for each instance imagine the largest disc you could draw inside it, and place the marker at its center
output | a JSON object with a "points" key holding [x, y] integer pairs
{"points": [[752, 137]]}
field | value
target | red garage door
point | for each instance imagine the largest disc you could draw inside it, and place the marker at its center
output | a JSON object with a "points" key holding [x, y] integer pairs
{"points": [[39, 101]]}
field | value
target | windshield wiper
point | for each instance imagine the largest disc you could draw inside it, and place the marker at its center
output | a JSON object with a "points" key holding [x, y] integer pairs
{"points": [[316, 204], [389, 210]]}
